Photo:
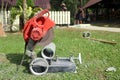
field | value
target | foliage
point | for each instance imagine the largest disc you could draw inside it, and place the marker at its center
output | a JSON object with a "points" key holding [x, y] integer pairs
{"points": [[84, 2], [34, 11], [19, 11], [29, 3], [96, 56], [55, 4], [14, 12], [71, 6], [28, 11]]}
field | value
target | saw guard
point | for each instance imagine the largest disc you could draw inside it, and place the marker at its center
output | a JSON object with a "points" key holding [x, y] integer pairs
{"points": [[37, 26]]}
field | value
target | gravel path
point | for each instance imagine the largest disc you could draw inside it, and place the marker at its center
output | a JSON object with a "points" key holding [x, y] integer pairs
{"points": [[97, 28]]}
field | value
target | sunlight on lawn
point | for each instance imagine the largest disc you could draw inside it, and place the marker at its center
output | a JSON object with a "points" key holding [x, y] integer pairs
{"points": [[96, 56]]}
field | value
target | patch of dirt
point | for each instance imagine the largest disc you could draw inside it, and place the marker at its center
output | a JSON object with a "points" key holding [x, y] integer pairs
{"points": [[3, 58]]}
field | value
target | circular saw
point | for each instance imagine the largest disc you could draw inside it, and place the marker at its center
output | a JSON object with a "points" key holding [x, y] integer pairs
{"points": [[47, 38]]}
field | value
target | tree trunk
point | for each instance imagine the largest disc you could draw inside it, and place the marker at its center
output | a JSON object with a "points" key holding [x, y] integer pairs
{"points": [[2, 33], [23, 16], [81, 3], [24, 10]]}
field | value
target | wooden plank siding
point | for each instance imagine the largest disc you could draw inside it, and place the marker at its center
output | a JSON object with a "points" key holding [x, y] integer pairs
{"points": [[59, 17], [42, 3], [8, 2]]}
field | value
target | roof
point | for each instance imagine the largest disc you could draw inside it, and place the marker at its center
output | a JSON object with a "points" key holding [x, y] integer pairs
{"points": [[90, 3], [42, 3], [9, 2]]}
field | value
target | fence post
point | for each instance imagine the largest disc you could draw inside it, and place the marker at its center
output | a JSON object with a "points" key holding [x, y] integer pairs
{"points": [[60, 17]]}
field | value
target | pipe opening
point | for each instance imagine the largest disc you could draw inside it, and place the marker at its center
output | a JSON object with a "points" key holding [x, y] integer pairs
{"points": [[48, 52], [39, 66], [39, 69]]}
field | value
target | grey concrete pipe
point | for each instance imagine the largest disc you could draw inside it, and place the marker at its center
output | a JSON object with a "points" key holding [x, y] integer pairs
{"points": [[48, 52], [39, 66]]}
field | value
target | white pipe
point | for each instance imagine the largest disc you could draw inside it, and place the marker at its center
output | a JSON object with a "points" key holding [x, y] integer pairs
{"points": [[39, 66], [48, 52]]}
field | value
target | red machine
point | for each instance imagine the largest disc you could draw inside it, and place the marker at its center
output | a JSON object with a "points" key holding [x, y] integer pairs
{"points": [[38, 30], [37, 26]]}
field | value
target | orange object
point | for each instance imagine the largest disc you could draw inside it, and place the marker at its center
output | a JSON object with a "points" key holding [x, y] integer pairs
{"points": [[37, 27]]}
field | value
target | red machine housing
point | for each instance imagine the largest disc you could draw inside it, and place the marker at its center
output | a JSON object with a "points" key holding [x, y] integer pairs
{"points": [[37, 27]]}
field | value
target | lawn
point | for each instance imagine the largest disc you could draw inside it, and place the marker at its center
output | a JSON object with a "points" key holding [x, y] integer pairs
{"points": [[96, 56]]}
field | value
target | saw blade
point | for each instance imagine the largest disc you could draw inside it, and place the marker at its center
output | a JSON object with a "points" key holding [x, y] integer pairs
{"points": [[47, 38]]}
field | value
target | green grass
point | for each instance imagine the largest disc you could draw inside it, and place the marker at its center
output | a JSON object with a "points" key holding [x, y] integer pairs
{"points": [[96, 56]]}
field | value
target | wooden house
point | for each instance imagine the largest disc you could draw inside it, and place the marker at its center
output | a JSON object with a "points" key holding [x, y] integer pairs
{"points": [[104, 9]]}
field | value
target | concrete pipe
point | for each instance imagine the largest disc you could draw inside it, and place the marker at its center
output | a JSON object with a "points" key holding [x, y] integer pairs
{"points": [[86, 34], [39, 66], [48, 52]]}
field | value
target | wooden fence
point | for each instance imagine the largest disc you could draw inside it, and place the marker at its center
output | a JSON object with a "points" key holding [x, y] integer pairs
{"points": [[60, 17]]}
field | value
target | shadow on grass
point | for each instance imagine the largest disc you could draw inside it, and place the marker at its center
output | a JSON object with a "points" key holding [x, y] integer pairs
{"points": [[16, 59]]}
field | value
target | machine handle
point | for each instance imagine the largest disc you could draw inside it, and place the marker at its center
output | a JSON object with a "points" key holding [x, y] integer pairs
{"points": [[79, 58], [41, 13]]}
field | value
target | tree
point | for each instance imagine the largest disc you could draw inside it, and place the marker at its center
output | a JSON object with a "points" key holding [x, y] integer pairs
{"points": [[24, 10], [13, 14], [29, 3], [55, 4], [2, 32], [71, 5], [24, 5]]}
